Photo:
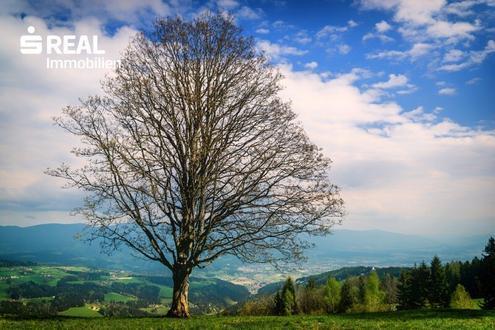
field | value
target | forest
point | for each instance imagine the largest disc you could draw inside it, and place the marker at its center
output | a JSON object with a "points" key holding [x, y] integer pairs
{"points": [[455, 284]]}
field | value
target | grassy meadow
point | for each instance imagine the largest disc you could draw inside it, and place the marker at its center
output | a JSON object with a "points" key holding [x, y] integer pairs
{"points": [[422, 319]]}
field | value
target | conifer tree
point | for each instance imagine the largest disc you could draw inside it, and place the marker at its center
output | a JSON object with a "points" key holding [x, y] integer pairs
{"points": [[349, 296], [404, 296], [285, 300], [487, 275], [438, 294]]}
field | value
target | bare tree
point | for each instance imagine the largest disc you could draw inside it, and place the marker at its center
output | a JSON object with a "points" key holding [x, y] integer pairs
{"points": [[191, 155]]}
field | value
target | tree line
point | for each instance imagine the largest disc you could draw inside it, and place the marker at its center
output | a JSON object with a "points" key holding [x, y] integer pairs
{"points": [[452, 285]]}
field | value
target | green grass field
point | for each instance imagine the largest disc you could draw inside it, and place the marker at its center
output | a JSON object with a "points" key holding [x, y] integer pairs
{"points": [[428, 319], [80, 312], [117, 297]]}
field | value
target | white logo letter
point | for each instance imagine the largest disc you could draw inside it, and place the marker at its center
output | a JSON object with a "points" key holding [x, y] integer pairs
{"points": [[53, 44], [31, 44]]}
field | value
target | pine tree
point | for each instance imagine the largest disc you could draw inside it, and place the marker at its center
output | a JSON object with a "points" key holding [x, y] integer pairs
{"points": [[285, 299], [349, 295], [278, 304], [288, 300], [487, 275], [453, 275], [438, 293], [421, 281], [413, 287], [404, 296]]}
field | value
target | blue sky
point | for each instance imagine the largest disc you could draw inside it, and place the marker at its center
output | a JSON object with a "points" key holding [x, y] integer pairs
{"points": [[397, 92]]}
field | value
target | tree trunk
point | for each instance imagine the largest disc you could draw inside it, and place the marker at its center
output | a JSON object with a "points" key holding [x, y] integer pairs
{"points": [[180, 301]]}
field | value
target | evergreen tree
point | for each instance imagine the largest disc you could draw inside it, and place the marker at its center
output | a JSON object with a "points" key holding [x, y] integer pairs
{"points": [[404, 296], [288, 300], [278, 304], [453, 275], [438, 293], [421, 281], [285, 300], [413, 287], [461, 299], [470, 277], [361, 289], [332, 295], [487, 275], [349, 295]]}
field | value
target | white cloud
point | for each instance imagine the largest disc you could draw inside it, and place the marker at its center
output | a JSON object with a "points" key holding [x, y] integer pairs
{"points": [[473, 81], [410, 11], [393, 81], [302, 38], [31, 95], [400, 170], [382, 27], [419, 115], [454, 31], [453, 55], [262, 31], [344, 49], [311, 65], [329, 30], [246, 12], [397, 82], [227, 4], [128, 11], [352, 23], [417, 50], [276, 51], [382, 37], [332, 30], [435, 22], [447, 91], [474, 57]]}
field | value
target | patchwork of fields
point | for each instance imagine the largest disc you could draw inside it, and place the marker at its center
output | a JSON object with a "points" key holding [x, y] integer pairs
{"points": [[97, 290]]}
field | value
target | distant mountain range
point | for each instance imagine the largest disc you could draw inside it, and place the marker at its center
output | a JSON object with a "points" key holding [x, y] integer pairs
{"points": [[56, 244]]}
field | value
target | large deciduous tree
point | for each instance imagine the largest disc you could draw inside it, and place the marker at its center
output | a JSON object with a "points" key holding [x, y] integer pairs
{"points": [[190, 154]]}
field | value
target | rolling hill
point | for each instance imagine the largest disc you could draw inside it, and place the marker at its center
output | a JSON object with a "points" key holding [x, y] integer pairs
{"points": [[56, 244]]}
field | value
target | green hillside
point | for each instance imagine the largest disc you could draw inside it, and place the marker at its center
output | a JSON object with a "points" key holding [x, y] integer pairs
{"points": [[67, 290], [340, 274]]}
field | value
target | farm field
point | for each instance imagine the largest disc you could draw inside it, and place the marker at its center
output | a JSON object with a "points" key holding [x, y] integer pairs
{"points": [[426, 319], [70, 287]]}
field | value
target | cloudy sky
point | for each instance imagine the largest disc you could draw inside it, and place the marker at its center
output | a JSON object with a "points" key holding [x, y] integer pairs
{"points": [[399, 93]]}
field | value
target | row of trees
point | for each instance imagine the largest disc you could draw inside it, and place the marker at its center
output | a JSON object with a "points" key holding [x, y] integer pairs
{"points": [[424, 286], [437, 285], [357, 293]]}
